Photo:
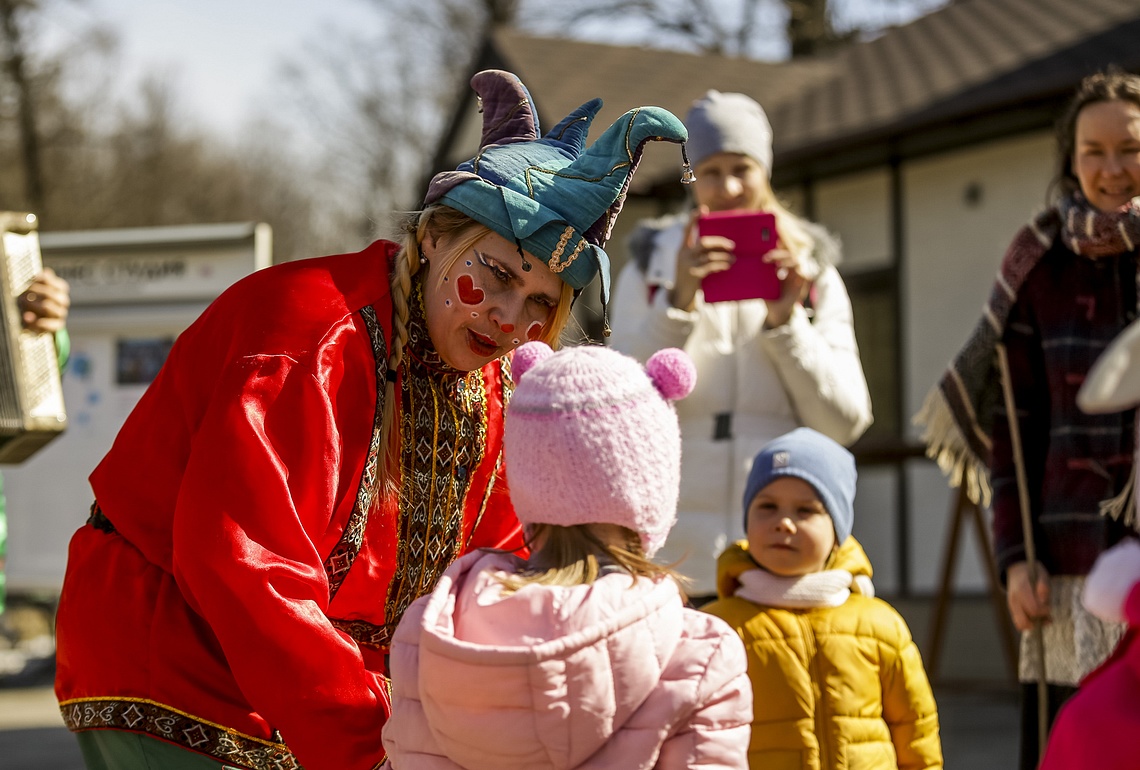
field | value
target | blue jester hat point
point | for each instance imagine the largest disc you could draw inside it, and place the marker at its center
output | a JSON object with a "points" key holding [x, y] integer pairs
{"points": [[552, 194]]}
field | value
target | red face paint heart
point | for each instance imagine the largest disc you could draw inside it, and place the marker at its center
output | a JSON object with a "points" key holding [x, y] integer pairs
{"points": [[468, 291], [534, 331]]}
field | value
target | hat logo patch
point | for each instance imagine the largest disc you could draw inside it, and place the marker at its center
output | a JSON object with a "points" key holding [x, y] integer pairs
{"points": [[781, 460]]}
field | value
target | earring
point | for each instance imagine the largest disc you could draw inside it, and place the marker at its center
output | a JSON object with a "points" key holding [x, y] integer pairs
{"points": [[522, 256], [423, 259]]}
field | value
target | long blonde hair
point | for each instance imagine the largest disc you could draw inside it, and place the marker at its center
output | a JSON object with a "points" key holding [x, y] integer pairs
{"points": [[794, 235], [454, 233], [575, 555]]}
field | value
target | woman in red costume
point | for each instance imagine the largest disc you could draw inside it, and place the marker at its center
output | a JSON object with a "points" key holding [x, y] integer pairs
{"points": [[319, 446]]}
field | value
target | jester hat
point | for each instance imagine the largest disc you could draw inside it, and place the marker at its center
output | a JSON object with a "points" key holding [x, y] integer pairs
{"points": [[552, 196]]}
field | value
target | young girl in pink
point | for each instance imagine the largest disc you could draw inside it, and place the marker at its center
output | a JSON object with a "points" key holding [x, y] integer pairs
{"points": [[583, 655]]}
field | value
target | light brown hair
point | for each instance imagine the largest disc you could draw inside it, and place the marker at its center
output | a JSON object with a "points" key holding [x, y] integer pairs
{"points": [[575, 555]]}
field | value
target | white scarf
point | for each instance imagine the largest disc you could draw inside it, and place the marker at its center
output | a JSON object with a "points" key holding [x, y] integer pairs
{"points": [[829, 588]]}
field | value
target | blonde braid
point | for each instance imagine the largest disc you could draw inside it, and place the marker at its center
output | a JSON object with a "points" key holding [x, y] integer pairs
{"points": [[407, 264]]}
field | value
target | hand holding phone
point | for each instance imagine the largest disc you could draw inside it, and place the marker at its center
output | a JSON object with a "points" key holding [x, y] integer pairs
{"points": [[750, 277]]}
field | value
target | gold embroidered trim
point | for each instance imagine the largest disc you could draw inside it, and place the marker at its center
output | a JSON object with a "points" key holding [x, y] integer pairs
{"points": [[182, 729], [443, 437], [557, 266], [365, 634], [562, 241], [507, 381], [443, 417], [486, 499], [340, 560]]}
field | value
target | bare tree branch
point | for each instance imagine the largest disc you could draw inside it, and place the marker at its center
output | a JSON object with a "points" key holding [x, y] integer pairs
{"points": [[16, 68]]}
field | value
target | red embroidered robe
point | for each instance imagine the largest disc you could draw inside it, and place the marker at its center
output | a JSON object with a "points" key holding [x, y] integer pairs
{"points": [[237, 585]]}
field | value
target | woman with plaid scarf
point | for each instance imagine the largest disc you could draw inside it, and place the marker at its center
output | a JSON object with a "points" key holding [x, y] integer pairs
{"points": [[1067, 286]]}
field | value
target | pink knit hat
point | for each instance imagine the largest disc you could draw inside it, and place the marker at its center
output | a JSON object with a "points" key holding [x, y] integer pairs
{"points": [[591, 438]]}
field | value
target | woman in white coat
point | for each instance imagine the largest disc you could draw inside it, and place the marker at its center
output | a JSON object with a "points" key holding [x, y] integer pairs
{"points": [[765, 366]]}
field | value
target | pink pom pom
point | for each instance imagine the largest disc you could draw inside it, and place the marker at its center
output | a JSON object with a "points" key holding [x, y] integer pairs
{"points": [[672, 372], [527, 355]]}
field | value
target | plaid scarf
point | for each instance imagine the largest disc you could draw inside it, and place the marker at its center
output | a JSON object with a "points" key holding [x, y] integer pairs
{"points": [[957, 415]]}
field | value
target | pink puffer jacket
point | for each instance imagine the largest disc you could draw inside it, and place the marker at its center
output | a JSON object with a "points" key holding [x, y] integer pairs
{"points": [[615, 674]]}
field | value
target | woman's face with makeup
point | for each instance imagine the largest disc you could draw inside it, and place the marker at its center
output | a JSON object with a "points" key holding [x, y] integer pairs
{"points": [[486, 304]]}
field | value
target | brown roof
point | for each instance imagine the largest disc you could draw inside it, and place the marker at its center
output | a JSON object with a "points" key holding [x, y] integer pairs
{"points": [[971, 56], [970, 70], [626, 77]]}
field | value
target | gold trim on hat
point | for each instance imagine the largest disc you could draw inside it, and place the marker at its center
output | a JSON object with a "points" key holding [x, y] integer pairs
{"points": [[555, 263]]}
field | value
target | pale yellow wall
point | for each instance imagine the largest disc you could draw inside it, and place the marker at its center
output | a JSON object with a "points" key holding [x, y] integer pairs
{"points": [[792, 198], [952, 251], [857, 208], [960, 209], [953, 248]]}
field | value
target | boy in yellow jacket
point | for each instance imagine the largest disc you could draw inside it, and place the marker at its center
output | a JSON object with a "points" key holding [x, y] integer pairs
{"points": [[837, 680]]}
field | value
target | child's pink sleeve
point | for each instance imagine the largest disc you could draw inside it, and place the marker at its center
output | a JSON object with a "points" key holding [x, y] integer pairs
{"points": [[717, 733]]}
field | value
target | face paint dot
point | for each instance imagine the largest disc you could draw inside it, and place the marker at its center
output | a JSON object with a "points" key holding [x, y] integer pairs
{"points": [[474, 314], [447, 302], [446, 279], [515, 340], [469, 263]]}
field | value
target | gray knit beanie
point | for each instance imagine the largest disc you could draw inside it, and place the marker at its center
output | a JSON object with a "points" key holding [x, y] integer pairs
{"points": [[719, 122], [813, 457]]}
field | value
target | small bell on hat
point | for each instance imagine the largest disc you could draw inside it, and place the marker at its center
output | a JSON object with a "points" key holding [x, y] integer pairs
{"points": [[552, 195]]}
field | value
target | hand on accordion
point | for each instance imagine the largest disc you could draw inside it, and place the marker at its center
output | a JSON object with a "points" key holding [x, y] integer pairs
{"points": [[45, 304]]}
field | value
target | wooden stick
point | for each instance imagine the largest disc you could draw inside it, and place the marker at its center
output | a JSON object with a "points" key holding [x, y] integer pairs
{"points": [[1037, 635]]}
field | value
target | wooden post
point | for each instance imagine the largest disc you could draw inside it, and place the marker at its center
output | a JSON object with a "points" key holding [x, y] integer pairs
{"points": [[959, 508]]}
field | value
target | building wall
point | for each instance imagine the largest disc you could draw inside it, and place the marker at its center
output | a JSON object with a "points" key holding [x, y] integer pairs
{"points": [[857, 208], [959, 211]]}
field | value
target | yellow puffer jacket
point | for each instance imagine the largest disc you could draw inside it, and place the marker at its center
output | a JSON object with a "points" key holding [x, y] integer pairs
{"points": [[834, 688]]}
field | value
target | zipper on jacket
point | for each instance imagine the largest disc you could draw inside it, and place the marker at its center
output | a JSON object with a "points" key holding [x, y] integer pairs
{"points": [[819, 707]]}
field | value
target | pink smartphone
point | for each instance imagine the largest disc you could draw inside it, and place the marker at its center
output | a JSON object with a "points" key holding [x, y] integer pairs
{"points": [[750, 277]]}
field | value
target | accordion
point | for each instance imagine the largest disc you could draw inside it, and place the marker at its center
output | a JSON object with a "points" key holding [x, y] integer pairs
{"points": [[31, 393]]}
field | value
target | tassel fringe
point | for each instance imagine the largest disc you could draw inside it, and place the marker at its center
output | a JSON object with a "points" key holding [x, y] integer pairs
{"points": [[1123, 506], [947, 447]]}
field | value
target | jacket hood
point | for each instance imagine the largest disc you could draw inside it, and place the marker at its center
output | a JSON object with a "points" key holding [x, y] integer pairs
{"points": [[736, 559], [543, 676]]}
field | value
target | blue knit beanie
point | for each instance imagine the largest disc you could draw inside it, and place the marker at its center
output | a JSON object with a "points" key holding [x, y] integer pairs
{"points": [[813, 457]]}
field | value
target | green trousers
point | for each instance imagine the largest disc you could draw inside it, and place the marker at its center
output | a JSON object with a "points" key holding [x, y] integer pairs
{"points": [[123, 750]]}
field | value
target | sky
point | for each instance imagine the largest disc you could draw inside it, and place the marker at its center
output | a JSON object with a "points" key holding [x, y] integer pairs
{"points": [[222, 55]]}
